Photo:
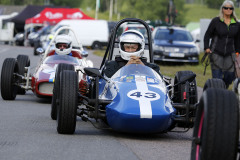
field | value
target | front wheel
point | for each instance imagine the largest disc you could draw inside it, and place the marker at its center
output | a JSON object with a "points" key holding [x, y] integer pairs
{"points": [[23, 61], [56, 85], [67, 111], [9, 79], [216, 126], [214, 83]]}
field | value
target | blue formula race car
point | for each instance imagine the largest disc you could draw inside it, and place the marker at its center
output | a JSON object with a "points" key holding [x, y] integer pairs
{"points": [[136, 99]]}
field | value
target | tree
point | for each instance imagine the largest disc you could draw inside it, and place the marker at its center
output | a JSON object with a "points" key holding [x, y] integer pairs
{"points": [[214, 3], [143, 9], [22, 2], [151, 10], [67, 3]]}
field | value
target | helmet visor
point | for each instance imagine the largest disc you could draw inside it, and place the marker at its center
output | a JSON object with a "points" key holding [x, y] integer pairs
{"points": [[130, 47], [62, 45]]}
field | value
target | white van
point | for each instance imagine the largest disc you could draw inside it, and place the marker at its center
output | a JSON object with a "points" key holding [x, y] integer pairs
{"points": [[7, 29], [91, 33]]}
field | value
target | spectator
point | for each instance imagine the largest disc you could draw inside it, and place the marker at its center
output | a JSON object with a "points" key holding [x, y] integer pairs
{"points": [[224, 32]]}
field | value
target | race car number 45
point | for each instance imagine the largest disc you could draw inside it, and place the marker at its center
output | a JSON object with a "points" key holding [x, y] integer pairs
{"points": [[140, 95]]}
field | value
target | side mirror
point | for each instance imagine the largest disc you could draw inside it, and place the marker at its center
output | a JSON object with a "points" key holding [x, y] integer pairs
{"points": [[197, 40], [190, 77], [93, 72], [40, 51], [84, 53]]}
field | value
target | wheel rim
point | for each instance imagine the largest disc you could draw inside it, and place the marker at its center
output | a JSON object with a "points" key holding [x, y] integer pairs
{"points": [[96, 46]]}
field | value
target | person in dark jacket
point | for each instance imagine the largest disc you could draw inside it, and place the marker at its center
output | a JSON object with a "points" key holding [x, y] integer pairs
{"points": [[131, 47], [224, 34]]}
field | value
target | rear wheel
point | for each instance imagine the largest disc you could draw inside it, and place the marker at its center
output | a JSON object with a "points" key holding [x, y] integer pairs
{"points": [[23, 61], [67, 111], [96, 45], [9, 79], [214, 83], [56, 86], [216, 126]]}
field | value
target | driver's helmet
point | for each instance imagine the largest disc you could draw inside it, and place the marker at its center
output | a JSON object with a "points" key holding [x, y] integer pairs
{"points": [[63, 44], [131, 37]]}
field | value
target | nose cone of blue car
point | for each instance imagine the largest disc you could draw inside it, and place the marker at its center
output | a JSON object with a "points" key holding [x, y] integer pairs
{"points": [[140, 116]]}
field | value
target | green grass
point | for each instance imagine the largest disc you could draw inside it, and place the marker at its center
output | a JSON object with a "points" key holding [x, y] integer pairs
{"points": [[101, 15], [170, 70], [195, 12], [99, 52]]}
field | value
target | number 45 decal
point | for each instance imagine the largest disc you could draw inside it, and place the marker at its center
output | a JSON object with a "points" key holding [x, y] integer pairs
{"points": [[140, 95]]}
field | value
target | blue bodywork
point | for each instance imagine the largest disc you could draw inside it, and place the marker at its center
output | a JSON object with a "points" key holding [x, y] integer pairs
{"points": [[140, 101]]}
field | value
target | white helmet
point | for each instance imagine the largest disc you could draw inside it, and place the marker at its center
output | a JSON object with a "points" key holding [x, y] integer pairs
{"points": [[131, 37], [63, 39]]}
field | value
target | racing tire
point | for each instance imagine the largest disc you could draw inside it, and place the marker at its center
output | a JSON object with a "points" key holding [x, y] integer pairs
{"points": [[67, 111], [216, 126], [214, 83], [56, 85], [23, 61], [9, 79]]}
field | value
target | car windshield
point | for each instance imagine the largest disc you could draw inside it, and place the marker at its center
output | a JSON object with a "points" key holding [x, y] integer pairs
{"points": [[140, 29], [173, 34], [139, 70], [56, 59], [44, 30], [55, 28]]}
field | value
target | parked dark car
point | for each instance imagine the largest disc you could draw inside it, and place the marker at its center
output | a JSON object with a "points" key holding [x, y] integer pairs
{"points": [[20, 37], [35, 37], [174, 44]]}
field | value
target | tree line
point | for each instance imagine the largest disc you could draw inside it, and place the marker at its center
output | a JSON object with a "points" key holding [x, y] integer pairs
{"points": [[143, 9]]}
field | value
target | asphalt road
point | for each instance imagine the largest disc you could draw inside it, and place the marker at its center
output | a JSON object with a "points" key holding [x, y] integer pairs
{"points": [[27, 131]]}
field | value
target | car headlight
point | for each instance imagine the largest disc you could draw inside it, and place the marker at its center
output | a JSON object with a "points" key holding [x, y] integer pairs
{"points": [[159, 48], [193, 50]]}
